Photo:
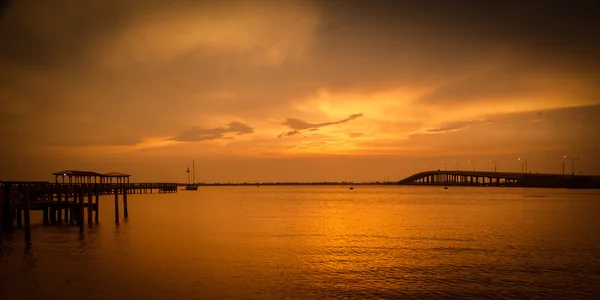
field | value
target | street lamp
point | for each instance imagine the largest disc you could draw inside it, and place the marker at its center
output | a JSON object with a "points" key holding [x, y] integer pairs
{"points": [[573, 163], [457, 164], [495, 164], [473, 162], [524, 160], [445, 165]]}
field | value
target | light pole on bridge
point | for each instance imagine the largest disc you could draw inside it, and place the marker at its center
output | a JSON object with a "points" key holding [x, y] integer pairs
{"points": [[495, 164], [445, 165], [457, 162], [473, 162], [572, 163], [524, 160]]}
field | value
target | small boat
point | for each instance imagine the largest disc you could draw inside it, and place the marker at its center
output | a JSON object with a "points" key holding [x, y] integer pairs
{"points": [[351, 187], [191, 186]]}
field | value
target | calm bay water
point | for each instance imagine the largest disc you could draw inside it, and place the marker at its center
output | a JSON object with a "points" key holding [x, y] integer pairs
{"points": [[318, 242]]}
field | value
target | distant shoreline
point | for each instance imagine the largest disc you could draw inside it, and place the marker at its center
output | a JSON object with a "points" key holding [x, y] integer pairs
{"points": [[290, 183], [350, 184]]}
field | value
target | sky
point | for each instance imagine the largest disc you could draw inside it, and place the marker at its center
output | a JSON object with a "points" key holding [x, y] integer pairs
{"points": [[297, 90]]}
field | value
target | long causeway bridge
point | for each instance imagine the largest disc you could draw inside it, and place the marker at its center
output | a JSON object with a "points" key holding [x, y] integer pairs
{"points": [[506, 179]]}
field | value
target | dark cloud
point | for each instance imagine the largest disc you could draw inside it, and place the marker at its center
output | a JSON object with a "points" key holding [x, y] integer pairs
{"points": [[289, 133], [198, 134], [43, 34], [114, 141], [298, 124], [484, 87], [565, 115], [46, 35], [239, 128], [435, 39], [457, 126], [564, 25]]}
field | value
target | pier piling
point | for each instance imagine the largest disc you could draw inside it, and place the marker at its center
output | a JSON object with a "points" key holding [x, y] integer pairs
{"points": [[1, 218], [90, 206], [60, 190], [97, 203], [67, 190], [45, 217], [125, 213], [27, 216], [116, 205], [81, 212], [4, 208], [51, 208], [19, 218], [72, 210]]}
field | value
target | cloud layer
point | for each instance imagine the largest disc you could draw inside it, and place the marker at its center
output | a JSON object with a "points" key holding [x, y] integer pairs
{"points": [[198, 134], [144, 81], [298, 125]]}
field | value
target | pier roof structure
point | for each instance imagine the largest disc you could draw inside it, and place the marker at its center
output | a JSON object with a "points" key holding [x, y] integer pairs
{"points": [[76, 176], [76, 173], [120, 177], [116, 174]]}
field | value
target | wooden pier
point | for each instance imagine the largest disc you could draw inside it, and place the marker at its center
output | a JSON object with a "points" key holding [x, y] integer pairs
{"points": [[65, 203]]}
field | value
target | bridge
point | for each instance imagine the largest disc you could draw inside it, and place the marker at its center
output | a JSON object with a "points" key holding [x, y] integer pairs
{"points": [[506, 179]]}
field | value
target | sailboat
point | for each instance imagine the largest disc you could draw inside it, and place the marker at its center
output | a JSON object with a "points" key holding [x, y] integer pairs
{"points": [[191, 186]]}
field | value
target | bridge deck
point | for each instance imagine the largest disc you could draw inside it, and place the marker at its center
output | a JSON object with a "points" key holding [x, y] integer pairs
{"points": [[485, 178]]}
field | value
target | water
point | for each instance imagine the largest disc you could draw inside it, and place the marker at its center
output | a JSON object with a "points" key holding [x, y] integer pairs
{"points": [[318, 242]]}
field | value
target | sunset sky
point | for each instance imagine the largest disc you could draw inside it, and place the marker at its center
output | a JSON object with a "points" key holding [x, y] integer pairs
{"points": [[297, 90]]}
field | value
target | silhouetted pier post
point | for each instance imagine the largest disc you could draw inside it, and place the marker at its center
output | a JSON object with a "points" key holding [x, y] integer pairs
{"points": [[51, 208], [125, 213], [116, 205], [45, 217], [72, 207], [19, 218], [4, 209], [46, 208], [97, 203], [90, 205], [81, 211], [67, 190], [27, 216], [60, 191]]}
